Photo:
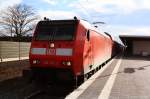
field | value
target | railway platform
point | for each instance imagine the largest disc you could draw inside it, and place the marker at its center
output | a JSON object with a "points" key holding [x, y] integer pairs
{"points": [[121, 78]]}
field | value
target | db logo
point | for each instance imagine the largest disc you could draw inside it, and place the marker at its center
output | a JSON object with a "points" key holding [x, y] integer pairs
{"points": [[51, 51]]}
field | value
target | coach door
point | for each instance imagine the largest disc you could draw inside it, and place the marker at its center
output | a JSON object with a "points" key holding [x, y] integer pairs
{"points": [[89, 50]]}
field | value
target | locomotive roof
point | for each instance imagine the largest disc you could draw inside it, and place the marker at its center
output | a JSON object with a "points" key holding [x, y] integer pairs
{"points": [[89, 26], [85, 23]]}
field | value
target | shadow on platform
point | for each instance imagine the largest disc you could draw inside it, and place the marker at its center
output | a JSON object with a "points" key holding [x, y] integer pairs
{"points": [[127, 70]]}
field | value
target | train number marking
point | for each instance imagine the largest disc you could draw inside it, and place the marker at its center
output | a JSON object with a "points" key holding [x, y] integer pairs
{"points": [[51, 52]]}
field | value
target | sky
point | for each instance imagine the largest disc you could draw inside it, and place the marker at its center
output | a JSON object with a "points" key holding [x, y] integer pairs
{"points": [[121, 17]]}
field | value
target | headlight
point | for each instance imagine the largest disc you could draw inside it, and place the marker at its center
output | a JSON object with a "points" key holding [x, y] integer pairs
{"points": [[64, 63], [52, 45], [35, 61], [67, 63]]}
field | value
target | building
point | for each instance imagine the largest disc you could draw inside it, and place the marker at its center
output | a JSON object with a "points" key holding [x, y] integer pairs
{"points": [[136, 45]]}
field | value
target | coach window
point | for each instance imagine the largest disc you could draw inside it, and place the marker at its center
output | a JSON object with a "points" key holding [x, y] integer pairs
{"points": [[88, 35]]}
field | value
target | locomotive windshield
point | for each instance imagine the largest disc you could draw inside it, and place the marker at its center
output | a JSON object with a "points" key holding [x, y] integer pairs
{"points": [[55, 30]]}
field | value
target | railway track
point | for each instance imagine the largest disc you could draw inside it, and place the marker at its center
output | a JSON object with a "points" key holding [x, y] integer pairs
{"points": [[32, 91], [48, 92], [34, 94], [21, 88]]}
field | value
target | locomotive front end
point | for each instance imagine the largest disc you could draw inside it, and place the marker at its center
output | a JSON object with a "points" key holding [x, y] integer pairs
{"points": [[53, 49]]}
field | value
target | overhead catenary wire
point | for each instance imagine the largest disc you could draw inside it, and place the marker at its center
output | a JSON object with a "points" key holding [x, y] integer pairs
{"points": [[84, 9], [89, 15]]}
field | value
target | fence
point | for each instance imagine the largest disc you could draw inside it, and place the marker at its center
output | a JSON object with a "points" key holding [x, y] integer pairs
{"points": [[14, 50]]}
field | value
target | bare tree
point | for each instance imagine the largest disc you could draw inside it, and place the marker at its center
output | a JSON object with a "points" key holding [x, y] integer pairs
{"points": [[18, 19]]}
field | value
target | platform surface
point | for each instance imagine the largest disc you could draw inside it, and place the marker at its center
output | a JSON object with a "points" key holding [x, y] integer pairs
{"points": [[125, 78]]}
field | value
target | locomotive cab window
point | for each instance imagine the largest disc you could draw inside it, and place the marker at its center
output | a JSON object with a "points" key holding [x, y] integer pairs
{"points": [[51, 30], [88, 35]]}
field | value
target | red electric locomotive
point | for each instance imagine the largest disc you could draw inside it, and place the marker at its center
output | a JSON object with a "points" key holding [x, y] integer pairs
{"points": [[68, 50]]}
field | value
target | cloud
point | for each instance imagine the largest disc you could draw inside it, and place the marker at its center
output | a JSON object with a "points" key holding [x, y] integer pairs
{"points": [[127, 30], [51, 2], [112, 6], [116, 30], [57, 14], [6, 3], [146, 4]]}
